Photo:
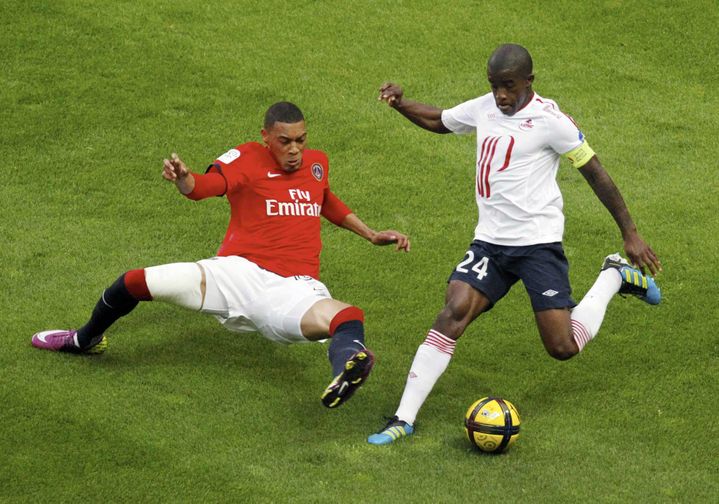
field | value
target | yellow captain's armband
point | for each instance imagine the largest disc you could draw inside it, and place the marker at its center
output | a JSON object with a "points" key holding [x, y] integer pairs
{"points": [[581, 155]]}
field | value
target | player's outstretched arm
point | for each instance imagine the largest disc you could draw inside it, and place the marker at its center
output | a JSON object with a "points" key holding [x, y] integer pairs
{"points": [[425, 116], [637, 250], [388, 237], [191, 185], [175, 170]]}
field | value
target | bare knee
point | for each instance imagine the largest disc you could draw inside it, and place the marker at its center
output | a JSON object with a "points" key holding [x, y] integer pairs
{"points": [[315, 323], [556, 332], [562, 350]]}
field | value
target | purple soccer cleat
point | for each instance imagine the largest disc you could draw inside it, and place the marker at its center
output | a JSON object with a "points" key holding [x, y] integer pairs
{"points": [[61, 340]]}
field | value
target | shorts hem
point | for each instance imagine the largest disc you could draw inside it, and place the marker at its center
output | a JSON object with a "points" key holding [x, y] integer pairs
{"points": [[568, 306]]}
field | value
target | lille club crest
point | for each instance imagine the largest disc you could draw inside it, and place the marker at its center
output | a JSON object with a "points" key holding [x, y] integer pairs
{"points": [[526, 125], [317, 171]]}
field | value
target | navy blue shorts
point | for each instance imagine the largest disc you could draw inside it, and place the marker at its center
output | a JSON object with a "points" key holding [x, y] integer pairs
{"points": [[493, 269]]}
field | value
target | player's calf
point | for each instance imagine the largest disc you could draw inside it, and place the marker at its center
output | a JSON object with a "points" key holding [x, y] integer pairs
{"points": [[351, 360], [346, 331], [116, 301]]}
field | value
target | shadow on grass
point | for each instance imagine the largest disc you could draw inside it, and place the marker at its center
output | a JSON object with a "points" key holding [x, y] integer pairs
{"points": [[172, 356]]}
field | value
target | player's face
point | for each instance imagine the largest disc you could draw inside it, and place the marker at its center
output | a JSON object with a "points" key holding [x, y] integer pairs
{"points": [[511, 90], [286, 142]]}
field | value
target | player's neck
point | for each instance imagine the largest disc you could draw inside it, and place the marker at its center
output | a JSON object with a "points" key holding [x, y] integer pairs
{"points": [[530, 97]]}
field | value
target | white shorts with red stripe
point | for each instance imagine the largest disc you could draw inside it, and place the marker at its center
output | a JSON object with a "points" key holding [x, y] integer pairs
{"points": [[247, 298]]}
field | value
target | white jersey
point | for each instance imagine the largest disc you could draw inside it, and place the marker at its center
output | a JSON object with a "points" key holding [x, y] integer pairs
{"points": [[517, 194]]}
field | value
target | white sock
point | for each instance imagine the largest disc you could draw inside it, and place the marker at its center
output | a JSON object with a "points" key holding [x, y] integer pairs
{"points": [[588, 315], [430, 361]]}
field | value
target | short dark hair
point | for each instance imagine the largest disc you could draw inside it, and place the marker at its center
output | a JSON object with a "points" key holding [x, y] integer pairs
{"points": [[285, 112], [511, 57]]}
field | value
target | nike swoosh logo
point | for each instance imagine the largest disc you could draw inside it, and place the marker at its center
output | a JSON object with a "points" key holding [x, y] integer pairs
{"points": [[359, 343], [273, 175], [41, 337]]}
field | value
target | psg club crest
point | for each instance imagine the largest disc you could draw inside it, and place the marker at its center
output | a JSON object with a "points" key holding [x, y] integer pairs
{"points": [[317, 171]]}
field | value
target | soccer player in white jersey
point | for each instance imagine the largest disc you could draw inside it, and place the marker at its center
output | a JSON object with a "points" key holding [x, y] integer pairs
{"points": [[520, 138]]}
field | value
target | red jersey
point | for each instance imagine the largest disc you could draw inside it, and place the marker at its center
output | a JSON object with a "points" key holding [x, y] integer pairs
{"points": [[275, 215]]}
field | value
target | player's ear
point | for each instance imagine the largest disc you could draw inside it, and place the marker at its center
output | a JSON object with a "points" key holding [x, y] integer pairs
{"points": [[530, 79], [265, 136]]}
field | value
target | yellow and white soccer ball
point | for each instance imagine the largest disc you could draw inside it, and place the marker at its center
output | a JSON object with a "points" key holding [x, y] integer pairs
{"points": [[492, 424]]}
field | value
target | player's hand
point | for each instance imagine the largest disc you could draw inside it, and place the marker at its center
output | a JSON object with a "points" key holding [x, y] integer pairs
{"points": [[388, 237], [174, 169], [391, 93], [641, 255]]}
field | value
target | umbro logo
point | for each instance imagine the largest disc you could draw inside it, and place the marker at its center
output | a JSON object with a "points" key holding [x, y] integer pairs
{"points": [[273, 175], [412, 374], [550, 293]]}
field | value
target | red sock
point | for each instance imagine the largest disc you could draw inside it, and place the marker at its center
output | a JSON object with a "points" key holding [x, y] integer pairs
{"points": [[136, 285]]}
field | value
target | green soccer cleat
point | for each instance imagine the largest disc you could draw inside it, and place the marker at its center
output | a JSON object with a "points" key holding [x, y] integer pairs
{"points": [[394, 430], [634, 282], [345, 384]]}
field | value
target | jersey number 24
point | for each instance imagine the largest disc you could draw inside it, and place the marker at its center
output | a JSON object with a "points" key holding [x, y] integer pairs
{"points": [[480, 267]]}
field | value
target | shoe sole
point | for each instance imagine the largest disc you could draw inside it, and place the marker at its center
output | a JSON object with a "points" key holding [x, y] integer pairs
{"points": [[99, 348], [388, 436], [356, 371]]}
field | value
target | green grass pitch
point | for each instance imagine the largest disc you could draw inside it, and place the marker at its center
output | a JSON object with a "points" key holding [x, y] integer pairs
{"points": [[94, 93]]}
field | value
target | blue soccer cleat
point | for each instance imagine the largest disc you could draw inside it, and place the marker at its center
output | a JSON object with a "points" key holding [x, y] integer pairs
{"points": [[394, 430], [634, 282]]}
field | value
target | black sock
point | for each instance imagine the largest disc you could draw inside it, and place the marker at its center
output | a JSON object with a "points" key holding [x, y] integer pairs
{"points": [[115, 302], [347, 339]]}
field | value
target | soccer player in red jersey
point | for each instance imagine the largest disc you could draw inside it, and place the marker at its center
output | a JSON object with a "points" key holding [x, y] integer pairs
{"points": [[265, 276]]}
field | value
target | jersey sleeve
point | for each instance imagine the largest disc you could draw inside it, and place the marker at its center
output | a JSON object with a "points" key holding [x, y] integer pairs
{"points": [[333, 208], [210, 184], [566, 138], [230, 166], [563, 134], [461, 119]]}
